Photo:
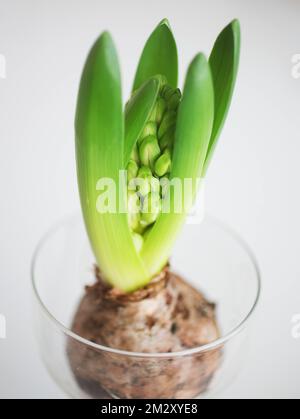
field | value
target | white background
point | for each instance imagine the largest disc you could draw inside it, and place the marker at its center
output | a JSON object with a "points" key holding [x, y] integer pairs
{"points": [[253, 183]]}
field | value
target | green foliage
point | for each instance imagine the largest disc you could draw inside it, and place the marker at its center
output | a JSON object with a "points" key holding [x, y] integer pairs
{"points": [[160, 136]]}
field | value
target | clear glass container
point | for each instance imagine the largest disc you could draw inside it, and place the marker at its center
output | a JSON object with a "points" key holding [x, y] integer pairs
{"points": [[210, 256]]}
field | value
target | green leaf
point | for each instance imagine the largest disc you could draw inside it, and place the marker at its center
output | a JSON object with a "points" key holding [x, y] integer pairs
{"points": [[99, 151], [138, 110], [224, 61], [193, 131], [159, 57]]}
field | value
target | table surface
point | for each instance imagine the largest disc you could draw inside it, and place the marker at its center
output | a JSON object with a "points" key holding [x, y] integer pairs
{"points": [[253, 183]]}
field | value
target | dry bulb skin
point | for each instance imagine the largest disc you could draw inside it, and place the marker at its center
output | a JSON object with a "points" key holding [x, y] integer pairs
{"points": [[166, 316]]}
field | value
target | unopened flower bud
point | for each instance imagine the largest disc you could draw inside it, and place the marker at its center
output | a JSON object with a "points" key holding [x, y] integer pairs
{"points": [[158, 111], [168, 121], [149, 151], [174, 100], [167, 92], [163, 164], [134, 207], [167, 140], [135, 154], [151, 209], [155, 185], [132, 170], [143, 181], [149, 129], [165, 184]]}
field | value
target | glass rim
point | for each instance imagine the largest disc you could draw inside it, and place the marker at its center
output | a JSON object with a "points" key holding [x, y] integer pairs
{"points": [[186, 352]]}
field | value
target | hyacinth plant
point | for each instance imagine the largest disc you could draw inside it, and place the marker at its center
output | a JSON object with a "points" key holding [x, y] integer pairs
{"points": [[160, 134]]}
